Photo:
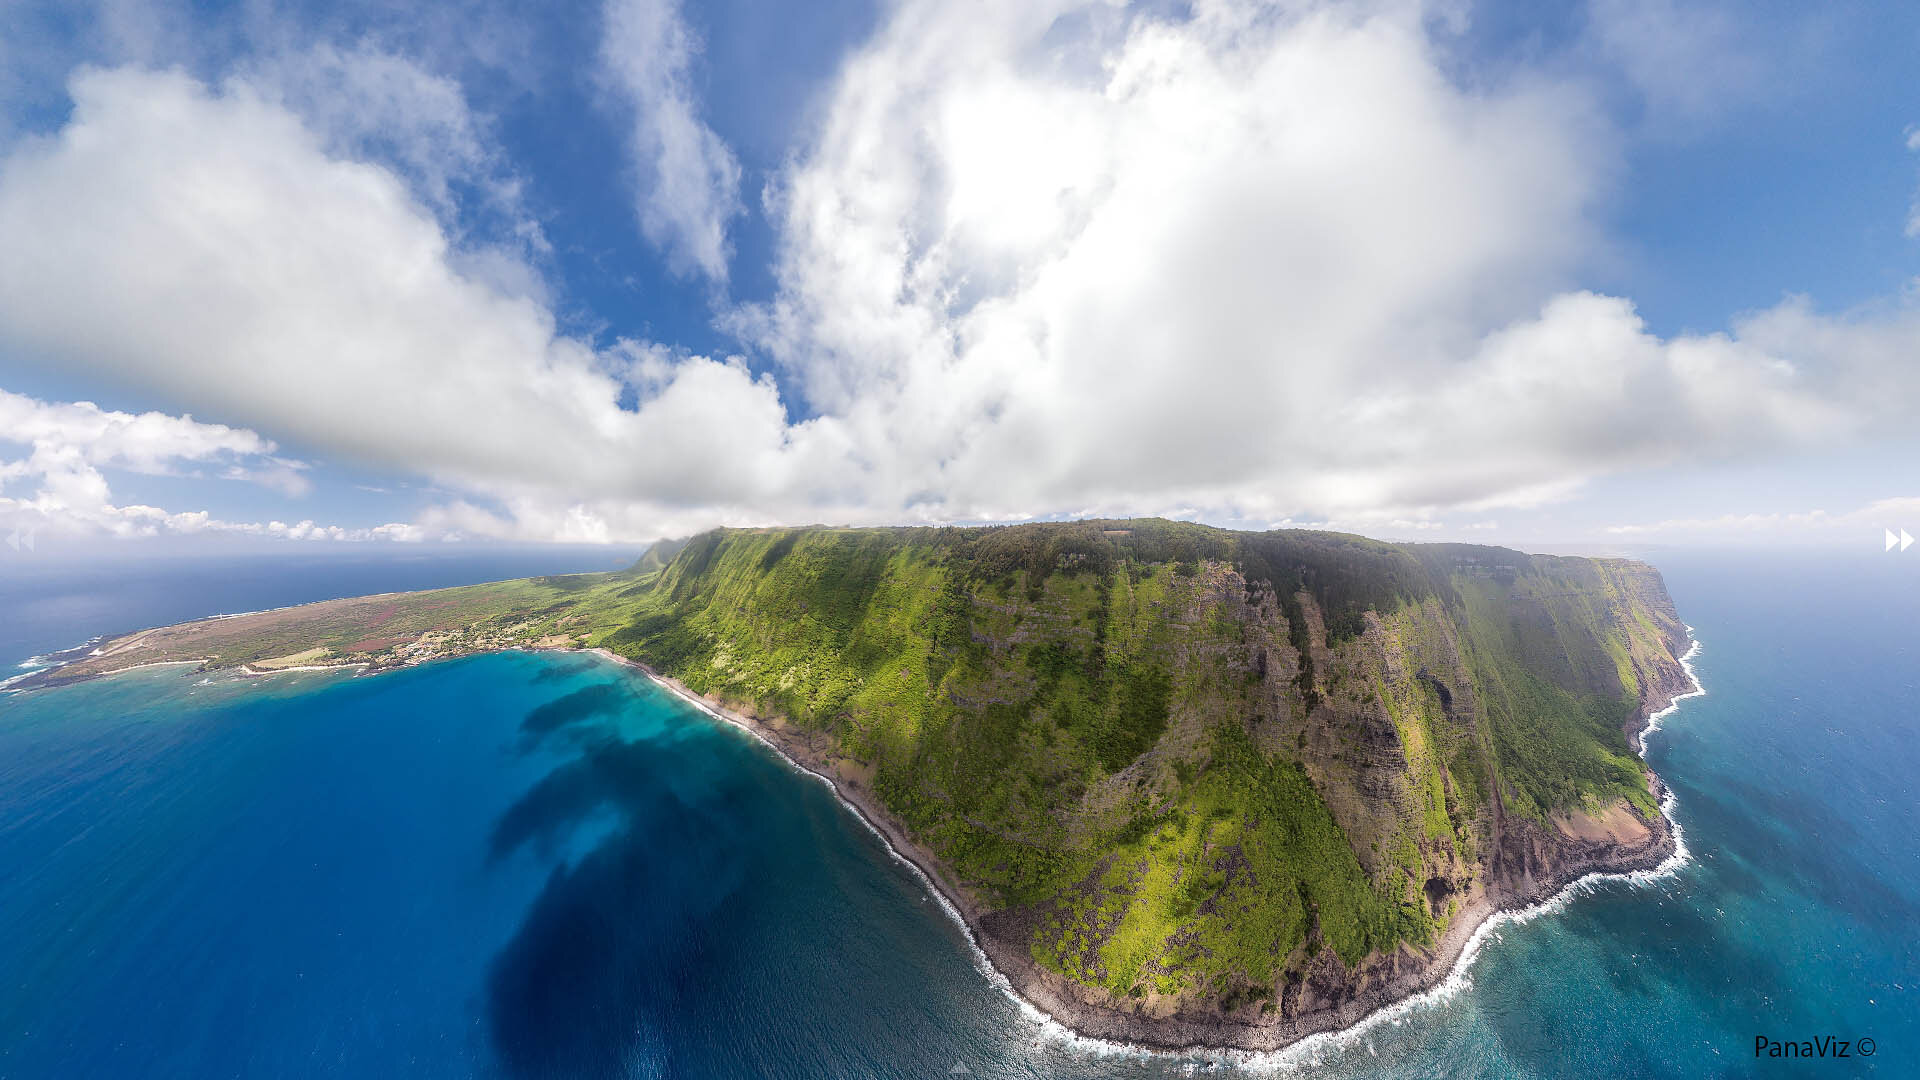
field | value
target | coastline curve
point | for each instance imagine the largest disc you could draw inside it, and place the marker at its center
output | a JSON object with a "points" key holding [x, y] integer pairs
{"points": [[1295, 1054], [1051, 1027]]}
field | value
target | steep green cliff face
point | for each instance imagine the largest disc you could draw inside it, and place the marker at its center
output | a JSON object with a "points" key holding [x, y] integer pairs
{"points": [[1180, 762]]}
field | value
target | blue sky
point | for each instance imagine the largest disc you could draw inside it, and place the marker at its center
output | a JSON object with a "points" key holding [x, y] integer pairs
{"points": [[1633, 271]]}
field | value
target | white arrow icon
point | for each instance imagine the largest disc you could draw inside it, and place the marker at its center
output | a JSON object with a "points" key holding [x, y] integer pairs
{"points": [[1892, 540], [1905, 540]]}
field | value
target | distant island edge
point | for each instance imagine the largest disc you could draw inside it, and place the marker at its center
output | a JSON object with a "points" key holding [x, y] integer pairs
{"points": [[1411, 970]]}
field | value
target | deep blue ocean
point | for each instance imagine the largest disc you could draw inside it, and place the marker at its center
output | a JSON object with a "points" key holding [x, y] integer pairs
{"points": [[51, 601], [541, 866]]}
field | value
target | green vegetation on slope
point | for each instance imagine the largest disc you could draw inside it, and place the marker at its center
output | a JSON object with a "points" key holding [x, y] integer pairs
{"points": [[1181, 762], [1121, 729]]}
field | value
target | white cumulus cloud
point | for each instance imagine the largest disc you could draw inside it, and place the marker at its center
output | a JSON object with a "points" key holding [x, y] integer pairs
{"points": [[148, 442], [1913, 212], [1266, 262], [689, 181], [207, 244], [69, 444]]}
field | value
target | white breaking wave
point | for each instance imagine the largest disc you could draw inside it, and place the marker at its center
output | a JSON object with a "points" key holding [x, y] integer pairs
{"points": [[1307, 1053], [35, 665]]}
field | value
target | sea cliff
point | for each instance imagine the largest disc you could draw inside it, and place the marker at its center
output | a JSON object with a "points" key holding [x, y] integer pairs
{"points": [[1185, 786]]}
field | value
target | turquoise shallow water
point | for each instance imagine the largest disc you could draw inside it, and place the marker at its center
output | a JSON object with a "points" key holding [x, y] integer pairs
{"points": [[540, 865]]}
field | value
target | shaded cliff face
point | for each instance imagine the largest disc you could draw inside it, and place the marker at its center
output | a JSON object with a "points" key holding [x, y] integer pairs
{"points": [[1193, 773]]}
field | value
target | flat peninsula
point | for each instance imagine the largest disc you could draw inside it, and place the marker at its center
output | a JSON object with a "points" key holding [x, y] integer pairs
{"points": [[1187, 787]]}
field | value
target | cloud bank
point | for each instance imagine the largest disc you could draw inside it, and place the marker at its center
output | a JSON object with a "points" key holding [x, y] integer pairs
{"points": [[1267, 262], [70, 444]]}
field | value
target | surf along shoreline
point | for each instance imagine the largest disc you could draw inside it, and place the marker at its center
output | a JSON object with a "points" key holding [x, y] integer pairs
{"points": [[1043, 997]]}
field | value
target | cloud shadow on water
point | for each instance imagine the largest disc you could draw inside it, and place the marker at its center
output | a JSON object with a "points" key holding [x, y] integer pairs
{"points": [[558, 671], [585, 713], [594, 981]]}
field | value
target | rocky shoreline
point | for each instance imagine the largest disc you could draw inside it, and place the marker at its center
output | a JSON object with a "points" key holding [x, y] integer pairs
{"points": [[1534, 866], [1548, 864]]}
